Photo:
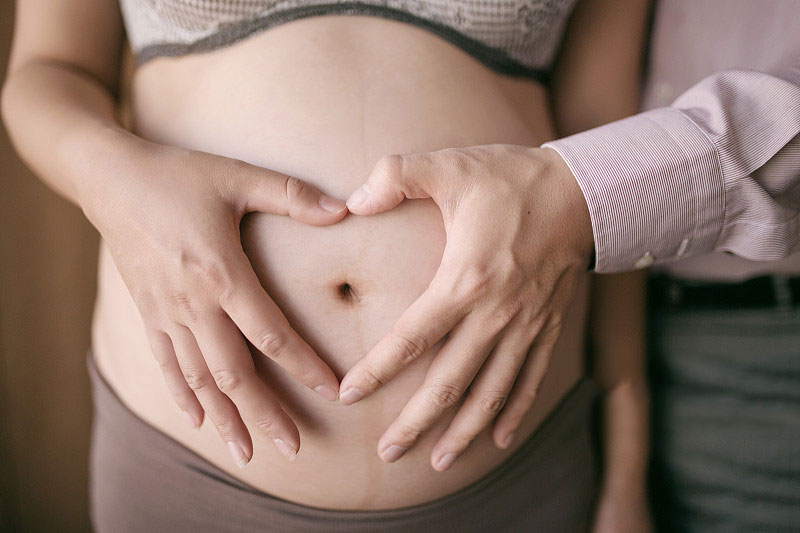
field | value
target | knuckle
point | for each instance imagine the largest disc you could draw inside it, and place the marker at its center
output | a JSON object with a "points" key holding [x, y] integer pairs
{"points": [[294, 188], [555, 324], [238, 183], [237, 172], [491, 404], [529, 315], [210, 272], [474, 282], [408, 433], [237, 167], [507, 311], [183, 306], [307, 374], [225, 294], [461, 161], [224, 426], [148, 306], [271, 343], [515, 273], [267, 425], [197, 381], [206, 276], [410, 346], [527, 396], [454, 160], [388, 166], [164, 364], [536, 285], [462, 440], [444, 396], [215, 276], [373, 377], [227, 380]]}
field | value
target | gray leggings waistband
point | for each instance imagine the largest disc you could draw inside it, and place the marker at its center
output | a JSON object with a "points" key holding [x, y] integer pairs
{"points": [[143, 480]]}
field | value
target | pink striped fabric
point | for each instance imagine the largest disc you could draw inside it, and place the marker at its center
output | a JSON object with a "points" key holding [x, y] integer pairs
{"points": [[718, 170]]}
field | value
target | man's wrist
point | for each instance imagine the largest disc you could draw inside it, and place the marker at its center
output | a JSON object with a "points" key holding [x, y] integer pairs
{"points": [[576, 203], [647, 204]]}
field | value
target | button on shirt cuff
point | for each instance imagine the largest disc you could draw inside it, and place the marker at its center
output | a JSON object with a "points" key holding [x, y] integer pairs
{"points": [[653, 185]]}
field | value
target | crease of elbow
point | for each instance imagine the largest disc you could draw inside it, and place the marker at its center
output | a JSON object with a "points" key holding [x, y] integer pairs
{"points": [[111, 83]]}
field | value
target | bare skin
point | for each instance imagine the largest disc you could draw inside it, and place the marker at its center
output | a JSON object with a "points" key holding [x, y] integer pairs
{"points": [[336, 110], [329, 124], [504, 282], [617, 334]]}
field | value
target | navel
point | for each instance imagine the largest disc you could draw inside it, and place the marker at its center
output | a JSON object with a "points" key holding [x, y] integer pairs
{"points": [[346, 292]]}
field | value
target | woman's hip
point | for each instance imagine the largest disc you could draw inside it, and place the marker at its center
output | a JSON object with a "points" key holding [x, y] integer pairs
{"points": [[144, 480]]}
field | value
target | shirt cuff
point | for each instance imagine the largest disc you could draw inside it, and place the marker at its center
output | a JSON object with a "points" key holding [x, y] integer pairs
{"points": [[653, 184]]}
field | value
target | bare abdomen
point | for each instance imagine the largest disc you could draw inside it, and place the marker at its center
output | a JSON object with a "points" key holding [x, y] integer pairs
{"points": [[322, 99]]}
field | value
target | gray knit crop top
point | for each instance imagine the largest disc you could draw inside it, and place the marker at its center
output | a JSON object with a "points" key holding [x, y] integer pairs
{"points": [[515, 37]]}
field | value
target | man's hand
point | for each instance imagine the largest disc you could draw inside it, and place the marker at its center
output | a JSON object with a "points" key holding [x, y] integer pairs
{"points": [[518, 240]]}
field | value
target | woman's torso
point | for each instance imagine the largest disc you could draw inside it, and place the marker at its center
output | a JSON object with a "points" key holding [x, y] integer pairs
{"points": [[322, 99]]}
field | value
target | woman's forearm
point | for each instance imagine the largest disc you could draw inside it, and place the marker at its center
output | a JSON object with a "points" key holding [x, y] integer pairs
{"points": [[626, 439], [145, 198], [618, 340], [57, 115]]}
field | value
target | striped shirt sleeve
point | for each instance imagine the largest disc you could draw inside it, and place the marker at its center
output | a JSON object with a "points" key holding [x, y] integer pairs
{"points": [[718, 170]]}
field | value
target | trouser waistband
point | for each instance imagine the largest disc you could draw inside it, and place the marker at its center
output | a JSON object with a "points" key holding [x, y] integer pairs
{"points": [[144, 480]]}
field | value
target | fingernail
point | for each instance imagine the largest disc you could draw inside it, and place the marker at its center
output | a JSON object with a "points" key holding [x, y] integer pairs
{"points": [[508, 439], [350, 396], [446, 461], [393, 453], [327, 393], [359, 196], [331, 205], [285, 449], [239, 457], [192, 420]]}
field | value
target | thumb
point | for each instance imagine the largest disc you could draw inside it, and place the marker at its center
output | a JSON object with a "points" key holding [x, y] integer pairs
{"points": [[394, 178], [272, 192]]}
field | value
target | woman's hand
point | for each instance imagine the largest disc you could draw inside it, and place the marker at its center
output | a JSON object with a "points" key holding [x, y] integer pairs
{"points": [[171, 219], [518, 241]]}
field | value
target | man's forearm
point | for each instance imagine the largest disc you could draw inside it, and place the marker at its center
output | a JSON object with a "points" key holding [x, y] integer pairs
{"points": [[708, 173]]}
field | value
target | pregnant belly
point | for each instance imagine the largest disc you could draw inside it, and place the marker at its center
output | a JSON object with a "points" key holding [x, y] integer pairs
{"points": [[322, 99]]}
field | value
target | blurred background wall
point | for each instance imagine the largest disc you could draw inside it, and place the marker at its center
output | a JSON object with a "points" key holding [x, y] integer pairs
{"points": [[47, 284]]}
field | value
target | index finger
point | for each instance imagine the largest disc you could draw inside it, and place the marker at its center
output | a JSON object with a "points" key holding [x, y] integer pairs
{"points": [[272, 192], [421, 326], [265, 326]]}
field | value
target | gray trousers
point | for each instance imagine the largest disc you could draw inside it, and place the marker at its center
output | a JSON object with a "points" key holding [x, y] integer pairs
{"points": [[142, 480], [726, 420]]}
